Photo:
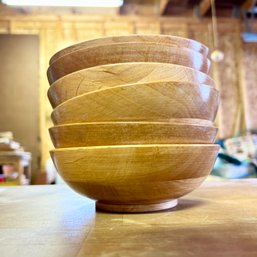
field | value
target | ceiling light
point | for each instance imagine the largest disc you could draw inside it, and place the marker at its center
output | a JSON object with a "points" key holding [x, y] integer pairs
{"points": [[66, 3]]}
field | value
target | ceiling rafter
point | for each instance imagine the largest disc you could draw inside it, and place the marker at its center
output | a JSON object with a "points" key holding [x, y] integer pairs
{"points": [[163, 5], [204, 7], [247, 4]]}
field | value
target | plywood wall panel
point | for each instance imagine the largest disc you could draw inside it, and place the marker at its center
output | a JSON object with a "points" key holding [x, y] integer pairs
{"points": [[4, 26], [180, 30], [250, 84], [89, 30], [58, 32], [201, 32], [112, 28], [228, 84], [147, 28]]}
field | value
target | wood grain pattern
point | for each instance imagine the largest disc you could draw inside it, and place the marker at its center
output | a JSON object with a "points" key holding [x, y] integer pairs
{"points": [[148, 101], [135, 174], [140, 102], [130, 133], [249, 86], [230, 97], [132, 208], [53, 221], [164, 194], [123, 53], [204, 7], [56, 33], [111, 75], [160, 39]]}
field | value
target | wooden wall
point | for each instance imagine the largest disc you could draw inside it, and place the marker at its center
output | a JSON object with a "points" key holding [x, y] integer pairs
{"points": [[235, 76], [249, 93]]}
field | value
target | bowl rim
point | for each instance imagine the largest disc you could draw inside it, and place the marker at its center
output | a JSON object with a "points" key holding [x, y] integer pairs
{"points": [[175, 83], [56, 82], [186, 146], [110, 123], [182, 52], [202, 47]]}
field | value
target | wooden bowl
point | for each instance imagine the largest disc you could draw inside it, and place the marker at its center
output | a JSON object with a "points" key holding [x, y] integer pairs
{"points": [[158, 102], [135, 178], [112, 75], [130, 133], [160, 39], [123, 53]]}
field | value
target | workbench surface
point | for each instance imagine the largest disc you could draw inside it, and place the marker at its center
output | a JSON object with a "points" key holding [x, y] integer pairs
{"points": [[218, 219]]}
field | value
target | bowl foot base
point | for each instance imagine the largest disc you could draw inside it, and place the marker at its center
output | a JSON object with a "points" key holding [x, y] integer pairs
{"points": [[112, 207]]}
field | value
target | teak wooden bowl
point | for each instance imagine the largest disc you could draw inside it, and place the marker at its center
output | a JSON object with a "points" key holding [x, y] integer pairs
{"points": [[130, 133], [112, 75], [160, 39], [123, 53], [135, 178], [140, 102]]}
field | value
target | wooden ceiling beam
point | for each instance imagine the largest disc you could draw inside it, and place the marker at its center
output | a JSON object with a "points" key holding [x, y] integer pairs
{"points": [[162, 6], [204, 7], [247, 4]]}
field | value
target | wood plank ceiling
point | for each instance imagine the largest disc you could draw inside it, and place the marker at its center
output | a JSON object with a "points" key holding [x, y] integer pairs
{"points": [[224, 8], [184, 8]]}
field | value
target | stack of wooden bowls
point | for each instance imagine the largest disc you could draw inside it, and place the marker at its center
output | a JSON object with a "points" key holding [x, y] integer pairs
{"points": [[133, 119]]}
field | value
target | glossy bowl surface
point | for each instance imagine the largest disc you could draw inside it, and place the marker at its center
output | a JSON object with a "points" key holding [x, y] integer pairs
{"points": [[125, 53], [135, 178], [130, 133], [111, 75], [160, 39], [158, 102]]}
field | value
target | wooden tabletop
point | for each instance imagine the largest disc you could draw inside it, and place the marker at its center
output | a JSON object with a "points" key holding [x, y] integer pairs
{"points": [[218, 219]]}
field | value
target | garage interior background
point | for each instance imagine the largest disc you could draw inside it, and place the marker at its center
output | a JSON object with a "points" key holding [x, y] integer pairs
{"points": [[51, 29]]}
